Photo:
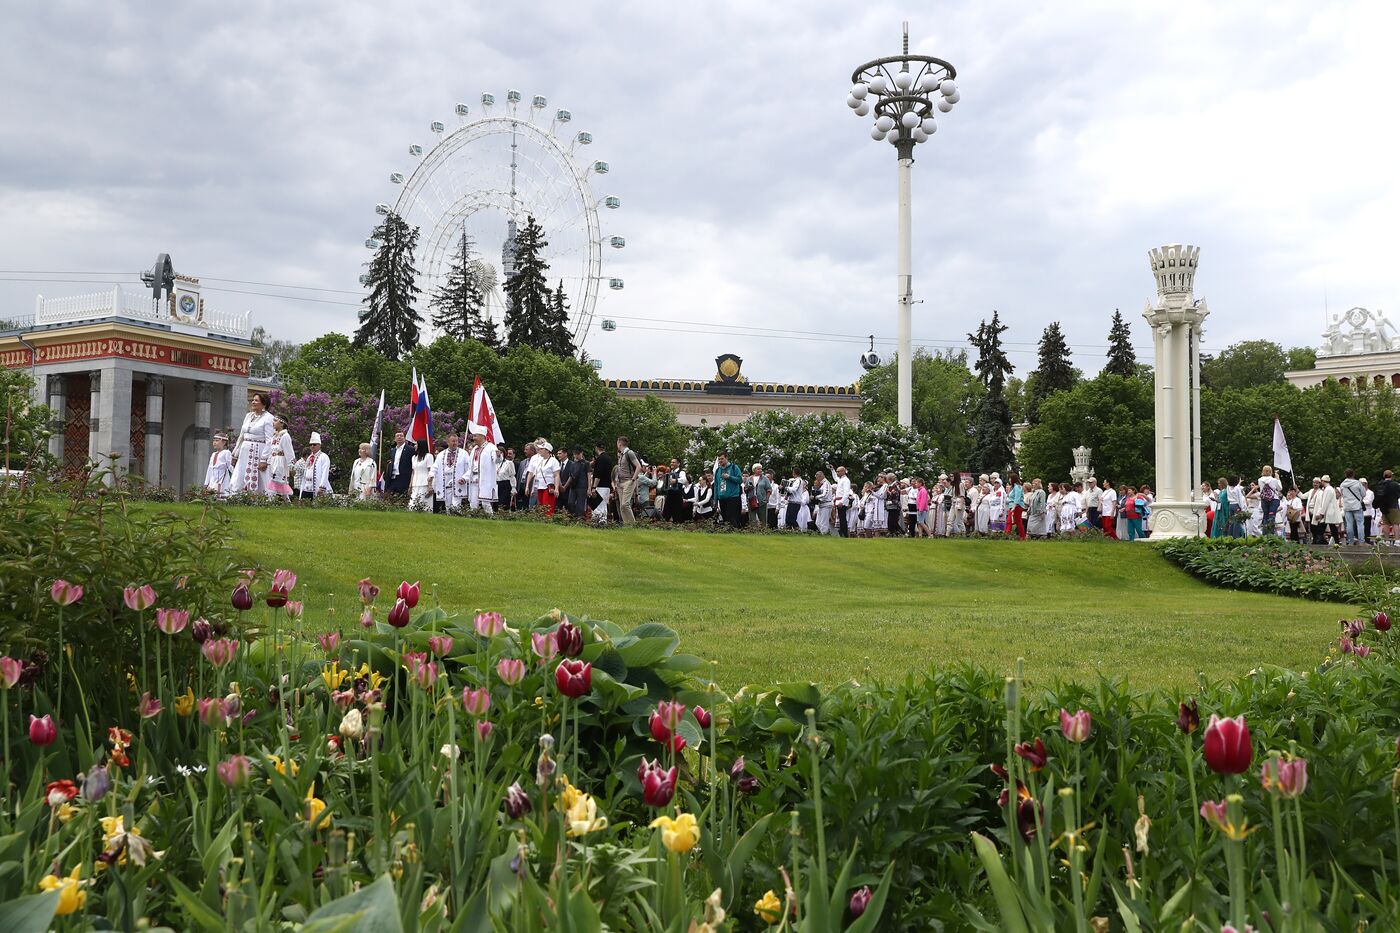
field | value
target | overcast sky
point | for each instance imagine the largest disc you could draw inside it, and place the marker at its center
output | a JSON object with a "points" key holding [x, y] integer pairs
{"points": [[252, 140]]}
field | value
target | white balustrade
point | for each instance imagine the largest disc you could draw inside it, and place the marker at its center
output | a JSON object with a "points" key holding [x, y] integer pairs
{"points": [[138, 306]]}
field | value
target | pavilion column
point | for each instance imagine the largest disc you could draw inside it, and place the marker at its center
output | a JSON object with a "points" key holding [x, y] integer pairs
{"points": [[58, 410], [94, 406], [155, 427], [203, 393], [113, 411]]}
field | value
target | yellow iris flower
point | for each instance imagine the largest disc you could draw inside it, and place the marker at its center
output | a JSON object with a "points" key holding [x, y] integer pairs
{"points": [[283, 767], [71, 896], [333, 676], [680, 834], [768, 907], [316, 813], [583, 817], [376, 679], [66, 812], [184, 703], [569, 795]]}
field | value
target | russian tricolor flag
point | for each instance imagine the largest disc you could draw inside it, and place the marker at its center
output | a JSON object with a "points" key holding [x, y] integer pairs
{"points": [[420, 427]]}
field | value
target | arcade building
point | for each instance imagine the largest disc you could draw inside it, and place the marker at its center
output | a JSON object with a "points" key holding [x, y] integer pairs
{"points": [[143, 378]]}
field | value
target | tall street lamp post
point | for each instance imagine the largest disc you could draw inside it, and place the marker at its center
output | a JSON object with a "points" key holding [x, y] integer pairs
{"points": [[904, 91]]}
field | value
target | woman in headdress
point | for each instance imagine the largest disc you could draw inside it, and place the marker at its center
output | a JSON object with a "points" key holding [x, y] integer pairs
{"points": [[254, 437]]}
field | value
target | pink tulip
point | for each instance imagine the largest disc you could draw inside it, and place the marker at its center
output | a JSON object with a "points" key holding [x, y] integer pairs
{"points": [[1214, 812], [329, 641], [139, 598], [367, 618], [546, 645], [149, 707], [1288, 779], [426, 674], [1076, 728], [489, 624], [412, 659], [703, 717], [65, 593], [440, 645], [234, 771], [476, 702], [294, 608], [484, 730], [510, 670], [42, 731], [213, 712], [368, 591], [658, 784], [10, 671], [284, 580], [1362, 651], [343, 698], [172, 621], [409, 592], [219, 651]]}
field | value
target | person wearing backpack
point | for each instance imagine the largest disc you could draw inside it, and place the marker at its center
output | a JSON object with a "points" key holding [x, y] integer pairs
{"points": [[1270, 495], [1353, 507]]}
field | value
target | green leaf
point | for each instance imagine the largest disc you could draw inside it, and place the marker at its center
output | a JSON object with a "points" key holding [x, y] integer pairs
{"points": [[739, 858], [207, 917], [30, 914], [1003, 890], [653, 630], [610, 662], [644, 652], [374, 908]]}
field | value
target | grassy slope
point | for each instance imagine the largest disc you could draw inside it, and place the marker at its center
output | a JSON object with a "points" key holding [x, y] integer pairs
{"points": [[775, 608]]}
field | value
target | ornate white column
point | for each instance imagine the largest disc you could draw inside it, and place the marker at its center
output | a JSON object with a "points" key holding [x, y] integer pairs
{"points": [[94, 406], [203, 393], [1081, 471], [155, 427], [58, 415], [1175, 320]]}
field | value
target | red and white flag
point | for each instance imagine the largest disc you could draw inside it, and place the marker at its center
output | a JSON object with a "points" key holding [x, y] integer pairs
{"points": [[483, 413]]}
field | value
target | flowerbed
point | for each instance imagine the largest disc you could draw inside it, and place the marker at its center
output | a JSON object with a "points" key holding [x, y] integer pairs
{"points": [[1267, 565]]}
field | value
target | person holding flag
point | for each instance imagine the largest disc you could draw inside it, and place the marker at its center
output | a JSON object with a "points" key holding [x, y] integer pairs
{"points": [[483, 414], [481, 482]]}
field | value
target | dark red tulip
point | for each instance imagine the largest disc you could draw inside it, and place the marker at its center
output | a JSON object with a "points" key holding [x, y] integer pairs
{"points": [[517, 802], [277, 596], [1000, 771], [658, 784], [200, 630], [1035, 754], [747, 785], [860, 900], [1381, 621], [398, 616], [570, 639], [1227, 745], [42, 731], [736, 770], [1027, 813], [242, 599], [574, 678], [1188, 717], [408, 592], [703, 717]]}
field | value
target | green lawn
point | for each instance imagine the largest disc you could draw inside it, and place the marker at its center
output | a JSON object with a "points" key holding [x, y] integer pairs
{"points": [[773, 608]]}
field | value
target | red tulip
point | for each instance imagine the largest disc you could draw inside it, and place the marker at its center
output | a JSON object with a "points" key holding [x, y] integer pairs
{"points": [[1034, 754], [65, 593], [703, 717], [408, 593], [658, 784], [1227, 745], [860, 900], [242, 599], [42, 731], [573, 678], [398, 616], [1380, 620], [1076, 728], [570, 639], [277, 596], [1188, 717], [58, 793]]}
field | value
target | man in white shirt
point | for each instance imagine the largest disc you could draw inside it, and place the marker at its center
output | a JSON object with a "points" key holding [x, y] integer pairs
{"points": [[1093, 498], [531, 488], [1108, 509], [316, 478], [1270, 495], [450, 477], [1234, 492], [483, 488], [843, 501]]}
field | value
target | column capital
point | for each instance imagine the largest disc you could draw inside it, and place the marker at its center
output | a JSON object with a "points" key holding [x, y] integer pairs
{"points": [[57, 385], [95, 379], [202, 391], [155, 385]]}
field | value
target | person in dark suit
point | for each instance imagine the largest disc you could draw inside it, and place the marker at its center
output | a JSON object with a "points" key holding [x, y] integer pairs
{"points": [[399, 470]]}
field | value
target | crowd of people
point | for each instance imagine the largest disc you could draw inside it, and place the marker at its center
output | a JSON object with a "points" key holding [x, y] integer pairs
{"points": [[612, 483]]}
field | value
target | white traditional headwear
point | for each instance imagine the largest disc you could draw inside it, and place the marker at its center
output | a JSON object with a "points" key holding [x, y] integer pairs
{"points": [[545, 446], [474, 429], [220, 437], [315, 437]]}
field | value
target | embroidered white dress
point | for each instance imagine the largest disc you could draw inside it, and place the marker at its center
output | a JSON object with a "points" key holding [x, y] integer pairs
{"points": [[254, 438]]}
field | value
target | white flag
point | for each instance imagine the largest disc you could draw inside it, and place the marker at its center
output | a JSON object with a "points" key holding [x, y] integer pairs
{"points": [[378, 425], [1282, 461]]}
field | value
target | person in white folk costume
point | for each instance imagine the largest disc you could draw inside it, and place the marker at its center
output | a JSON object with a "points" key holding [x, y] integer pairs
{"points": [[1071, 506], [482, 488], [280, 457], [823, 498], [220, 469], [982, 505], [420, 497], [450, 476], [364, 475], [316, 474], [254, 440], [996, 506]]}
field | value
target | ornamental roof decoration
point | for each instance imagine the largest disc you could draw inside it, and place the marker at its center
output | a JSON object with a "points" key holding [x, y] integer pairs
{"points": [[1357, 331]]}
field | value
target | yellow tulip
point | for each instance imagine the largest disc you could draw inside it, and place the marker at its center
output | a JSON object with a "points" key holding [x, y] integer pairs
{"points": [[184, 703], [316, 813], [583, 817], [333, 676], [71, 896], [568, 795], [768, 907], [680, 834], [66, 812], [283, 767]]}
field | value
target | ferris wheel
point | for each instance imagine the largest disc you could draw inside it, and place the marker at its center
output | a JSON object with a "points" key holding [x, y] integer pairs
{"points": [[484, 177]]}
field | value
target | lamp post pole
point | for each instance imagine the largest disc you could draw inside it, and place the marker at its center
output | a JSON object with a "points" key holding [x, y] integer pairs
{"points": [[903, 91]]}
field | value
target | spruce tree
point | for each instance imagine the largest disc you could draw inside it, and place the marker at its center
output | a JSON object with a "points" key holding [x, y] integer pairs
{"points": [[991, 420], [388, 322], [558, 339], [527, 296], [1122, 361], [459, 306], [1053, 372]]}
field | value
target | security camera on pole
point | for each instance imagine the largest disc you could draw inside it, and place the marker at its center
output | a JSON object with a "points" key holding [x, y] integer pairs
{"points": [[903, 91]]}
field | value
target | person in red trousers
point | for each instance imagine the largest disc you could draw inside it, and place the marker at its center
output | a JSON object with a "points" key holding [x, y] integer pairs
{"points": [[1108, 510]]}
